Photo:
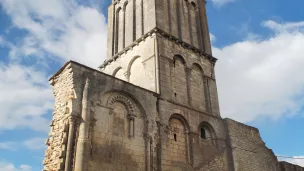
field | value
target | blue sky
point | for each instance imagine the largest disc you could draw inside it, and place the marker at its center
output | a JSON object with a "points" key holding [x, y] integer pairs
{"points": [[259, 45]]}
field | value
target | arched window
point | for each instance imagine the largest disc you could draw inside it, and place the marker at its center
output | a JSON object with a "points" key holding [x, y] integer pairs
{"points": [[117, 29], [203, 133], [207, 134], [179, 80], [197, 87], [177, 139]]}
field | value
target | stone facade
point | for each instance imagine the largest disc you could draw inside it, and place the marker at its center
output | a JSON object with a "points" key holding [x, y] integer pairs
{"points": [[153, 106]]}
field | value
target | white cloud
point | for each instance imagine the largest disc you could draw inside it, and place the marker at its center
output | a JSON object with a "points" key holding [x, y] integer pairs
{"points": [[25, 98], [220, 3], [35, 144], [31, 144], [212, 38], [56, 28], [5, 166], [297, 160], [7, 146], [286, 27], [262, 78]]}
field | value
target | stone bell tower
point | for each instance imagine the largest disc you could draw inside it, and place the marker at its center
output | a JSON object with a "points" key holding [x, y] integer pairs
{"points": [[164, 46], [140, 31], [153, 106]]}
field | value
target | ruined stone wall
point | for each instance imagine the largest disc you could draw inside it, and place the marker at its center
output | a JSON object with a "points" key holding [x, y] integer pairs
{"points": [[125, 127], [248, 149], [284, 166], [121, 125], [64, 94]]}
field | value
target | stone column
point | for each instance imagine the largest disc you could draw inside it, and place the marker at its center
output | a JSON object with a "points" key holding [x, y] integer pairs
{"points": [[70, 143], [83, 135], [131, 118]]}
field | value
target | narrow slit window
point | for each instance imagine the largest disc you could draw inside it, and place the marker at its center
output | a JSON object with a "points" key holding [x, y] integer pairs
{"points": [[203, 133], [174, 137]]}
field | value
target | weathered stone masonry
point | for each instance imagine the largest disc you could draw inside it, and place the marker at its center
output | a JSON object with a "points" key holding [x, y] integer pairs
{"points": [[153, 106]]}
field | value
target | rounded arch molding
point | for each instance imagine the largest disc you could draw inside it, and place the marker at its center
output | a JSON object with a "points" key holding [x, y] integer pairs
{"points": [[212, 137], [116, 70], [130, 66], [180, 139], [196, 65], [182, 119], [132, 104], [125, 100]]}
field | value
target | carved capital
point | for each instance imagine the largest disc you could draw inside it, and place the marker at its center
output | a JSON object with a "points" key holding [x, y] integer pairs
{"points": [[73, 119]]}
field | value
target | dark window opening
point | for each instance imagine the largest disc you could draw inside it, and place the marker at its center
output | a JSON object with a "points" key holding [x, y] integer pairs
{"points": [[193, 5], [203, 133], [175, 94], [174, 137]]}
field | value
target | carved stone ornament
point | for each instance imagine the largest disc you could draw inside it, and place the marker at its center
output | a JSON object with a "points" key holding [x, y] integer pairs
{"points": [[126, 101]]}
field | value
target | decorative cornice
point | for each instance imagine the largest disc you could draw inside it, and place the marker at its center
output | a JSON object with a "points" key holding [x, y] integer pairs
{"points": [[164, 35]]}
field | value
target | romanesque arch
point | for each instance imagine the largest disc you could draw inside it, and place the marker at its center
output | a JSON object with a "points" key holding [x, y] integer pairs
{"points": [[116, 70], [125, 12], [139, 74], [197, 87], [120, 126], [119, 73], [207, 133], [118, 28], [178, 79], [178, 147], [129, 23]]}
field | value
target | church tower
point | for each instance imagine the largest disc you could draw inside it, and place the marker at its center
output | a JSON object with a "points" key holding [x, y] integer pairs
{"points": [[147, 37], [153, 105], [164, 46], [158, 109]]}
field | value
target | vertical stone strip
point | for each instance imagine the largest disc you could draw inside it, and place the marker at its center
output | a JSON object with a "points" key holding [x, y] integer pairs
{"points": [[189, 11], [188, 146], [205, 29], [116, 30], [200, 25], [82, 151], [179, 27], [139, 18], [188, 82], [70, 144], [207, 95], [134, 20], [169, 16], [111, 25], [184, 22], [124, 25], [142, 17]]}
